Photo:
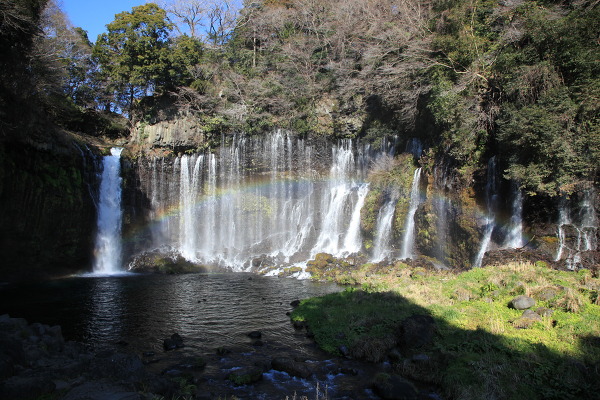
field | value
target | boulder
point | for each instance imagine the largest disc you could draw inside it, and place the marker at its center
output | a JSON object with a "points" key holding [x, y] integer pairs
{"points": [[528, 318], [522, 302], [101, 391], [291, 367], [20, 388], [394, 387], [544, 312], [12, 348], [416, 331], [255, 335], [174, 342], [125, 367], [547, 293], [223, 351], [299, 325]]}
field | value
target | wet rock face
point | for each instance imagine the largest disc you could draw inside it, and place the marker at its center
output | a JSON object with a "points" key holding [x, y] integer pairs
{"points": [[47, 211], [447, 227]]}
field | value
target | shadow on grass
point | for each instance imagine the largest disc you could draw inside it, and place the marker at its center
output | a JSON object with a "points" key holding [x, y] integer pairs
{"points": [[423, 345]]}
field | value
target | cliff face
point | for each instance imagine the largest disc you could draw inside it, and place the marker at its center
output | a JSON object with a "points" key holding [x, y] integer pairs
{"points": [[456, 221], [180, 133], [47, 211]]}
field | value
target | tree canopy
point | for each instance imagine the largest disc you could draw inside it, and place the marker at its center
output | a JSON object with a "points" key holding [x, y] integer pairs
{"points": [[133, 54], [469, 78]]}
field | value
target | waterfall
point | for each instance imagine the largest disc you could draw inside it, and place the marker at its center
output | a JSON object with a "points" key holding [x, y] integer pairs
{"points": [[563, 220], [260, 201], [491, 190], [108, 239], [334, 224], [381, 245], [188, 195], [414, 147], [353, 240], [514, 238], [408, 242], [442, 208], [584, 224], [589, 223]]}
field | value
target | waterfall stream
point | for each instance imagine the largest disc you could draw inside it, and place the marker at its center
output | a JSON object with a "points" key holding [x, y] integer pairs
{"points": [[381, 244], [491, 190], [514, 238], [577, 231], [260, 201], [408, 242], [108, 239]]}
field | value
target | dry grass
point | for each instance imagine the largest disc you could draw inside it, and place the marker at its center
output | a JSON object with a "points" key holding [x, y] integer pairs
{"points": [[570, 301], [496, 325]]}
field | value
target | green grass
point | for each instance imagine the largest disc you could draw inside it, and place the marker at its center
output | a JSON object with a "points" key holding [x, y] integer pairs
{"points": [[480, 350]]}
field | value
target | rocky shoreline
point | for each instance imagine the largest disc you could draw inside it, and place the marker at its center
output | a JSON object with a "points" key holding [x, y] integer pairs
{"points": [[36, 362]]}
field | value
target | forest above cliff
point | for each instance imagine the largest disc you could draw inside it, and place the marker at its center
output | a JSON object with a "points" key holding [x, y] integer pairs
{"points": [[470, 78]]}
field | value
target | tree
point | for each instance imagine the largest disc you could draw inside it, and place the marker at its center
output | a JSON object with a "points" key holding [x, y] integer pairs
{"points": [[61, 57], [18, 28], [187, 15], [184, 56], [218, 17], [133, 55]]}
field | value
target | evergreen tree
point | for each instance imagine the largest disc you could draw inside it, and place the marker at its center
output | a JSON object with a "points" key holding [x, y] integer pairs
{"points": [[133, 55]]}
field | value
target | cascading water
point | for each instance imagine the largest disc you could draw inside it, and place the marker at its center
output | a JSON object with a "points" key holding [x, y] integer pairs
{"points": [[491, 189], [589, 223], [381, 244], [188, 193], [408, 242], [353, 240], [414, 147], [514, 239], [583, 228], [563, 220], [339, 192], [442, 209], [271, 201], [108, 239]]}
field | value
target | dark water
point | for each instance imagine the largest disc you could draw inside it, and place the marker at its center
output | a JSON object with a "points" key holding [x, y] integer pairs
{"points": [[208, 310]]}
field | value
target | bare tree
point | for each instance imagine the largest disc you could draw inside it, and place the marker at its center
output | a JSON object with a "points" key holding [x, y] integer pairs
{"points": [[222, 15], [218, 17], [186, 14]]}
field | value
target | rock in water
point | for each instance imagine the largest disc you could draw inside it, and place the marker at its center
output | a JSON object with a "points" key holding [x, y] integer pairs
{"points": [[291, 367], [255, 335], [174, 342], [246, 376]]}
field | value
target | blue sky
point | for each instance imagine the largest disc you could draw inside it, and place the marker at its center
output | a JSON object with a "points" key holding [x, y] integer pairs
{"points": [[94, 15]]}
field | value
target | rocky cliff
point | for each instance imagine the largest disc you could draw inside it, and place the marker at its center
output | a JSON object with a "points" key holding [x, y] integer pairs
{"points": [[47, 210]]}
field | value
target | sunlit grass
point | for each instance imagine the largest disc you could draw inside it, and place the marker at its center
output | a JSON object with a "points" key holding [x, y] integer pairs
{"points": [[480, 340]]}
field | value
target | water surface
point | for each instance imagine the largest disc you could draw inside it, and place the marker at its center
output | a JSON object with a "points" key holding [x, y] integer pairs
{"points": [[137, 312]]}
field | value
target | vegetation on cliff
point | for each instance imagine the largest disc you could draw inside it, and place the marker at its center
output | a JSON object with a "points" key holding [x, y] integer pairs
{"points": [[469, 78]]}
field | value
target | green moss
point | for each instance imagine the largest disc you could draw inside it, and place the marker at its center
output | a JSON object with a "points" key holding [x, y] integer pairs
{"points": [[478, 345]]}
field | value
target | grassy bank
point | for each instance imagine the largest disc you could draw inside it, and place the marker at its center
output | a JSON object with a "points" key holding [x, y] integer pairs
{"points": [[468, 339]]}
